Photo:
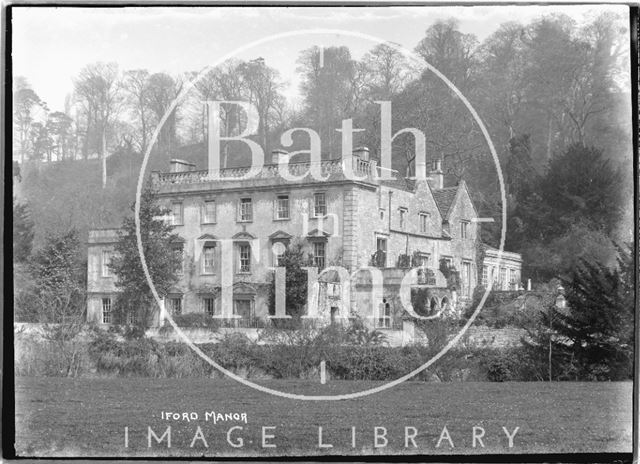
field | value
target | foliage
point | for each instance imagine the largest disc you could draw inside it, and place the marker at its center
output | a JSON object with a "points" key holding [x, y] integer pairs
{"points": [[22, 231], [599, 325], [158, 242], [404, 261], [293, 260]]}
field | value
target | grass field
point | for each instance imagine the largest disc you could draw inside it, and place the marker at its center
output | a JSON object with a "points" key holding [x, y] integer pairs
{"points": [[87, 417]]}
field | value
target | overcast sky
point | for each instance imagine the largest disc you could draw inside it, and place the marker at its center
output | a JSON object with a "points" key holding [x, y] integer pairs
{"points": [[51, 45]]}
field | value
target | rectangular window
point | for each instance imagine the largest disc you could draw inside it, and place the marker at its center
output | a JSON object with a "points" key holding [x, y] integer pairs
{"points": [[319, 205], [381, 252], [503, 278], [131, 317], [106, 311], [282, 207], [245, 214], [464, 229], [278, 250], [319, 255], [208, 261], [466, 278], [244, 252], [176, 213], [209, 304], [178, 250], [209, 212], [106, 261], [485, 276], [175, 305], [424, 222], [384, 318], [402, 212]]}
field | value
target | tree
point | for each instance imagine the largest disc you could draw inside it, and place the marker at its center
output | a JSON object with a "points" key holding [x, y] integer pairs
{"points": [[57, 296], [293, 260], [59, 130], [97, 89], [581, 184], [136, 84], [162, 90], [26, 105], [22, 232], [159, 245], [600, 322]]}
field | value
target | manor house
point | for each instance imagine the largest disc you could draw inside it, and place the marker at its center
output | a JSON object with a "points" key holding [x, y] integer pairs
{"points": [[390, 225]]}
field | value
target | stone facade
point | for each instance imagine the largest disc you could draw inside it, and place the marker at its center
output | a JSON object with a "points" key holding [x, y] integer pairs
{"points": [[504, 271], [341, 221]]}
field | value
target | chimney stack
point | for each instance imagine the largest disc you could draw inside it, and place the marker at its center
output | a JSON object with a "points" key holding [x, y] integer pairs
{"points": [[178, 165], [435, 177], [278, 155], [362, 153]]}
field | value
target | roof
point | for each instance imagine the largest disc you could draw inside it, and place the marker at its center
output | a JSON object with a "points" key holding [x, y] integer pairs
{"points": [[444, 199]]}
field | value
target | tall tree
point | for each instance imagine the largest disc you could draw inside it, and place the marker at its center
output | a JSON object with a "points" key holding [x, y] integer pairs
{"points": [[158, 243], [162, 91], [97, 89], [136, 85]]}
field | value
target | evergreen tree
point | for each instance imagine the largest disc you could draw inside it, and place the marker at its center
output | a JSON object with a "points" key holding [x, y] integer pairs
{"points": [[158, 242], [22, 231], [599, 323], [293, 260]]}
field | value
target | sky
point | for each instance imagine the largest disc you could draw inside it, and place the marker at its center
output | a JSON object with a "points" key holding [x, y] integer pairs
{"points": [[51, 45]]}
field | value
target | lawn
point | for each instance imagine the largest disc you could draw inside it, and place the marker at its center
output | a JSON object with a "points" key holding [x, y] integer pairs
{"points": [[88, 416]]}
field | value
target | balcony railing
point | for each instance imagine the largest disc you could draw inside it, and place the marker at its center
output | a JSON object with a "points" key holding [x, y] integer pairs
{"points": [[327, 167]]}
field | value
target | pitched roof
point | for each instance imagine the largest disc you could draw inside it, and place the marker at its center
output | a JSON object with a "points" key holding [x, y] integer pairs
{"points": [[444, 199]]}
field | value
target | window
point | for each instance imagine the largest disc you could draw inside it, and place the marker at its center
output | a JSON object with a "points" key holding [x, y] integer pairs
{"points": [[175, 305], [244, 252], [319, 205], [106, 311], [246, 210], [131, 317], [209, 212], [464, 229], [209, 304], [424, 219], [278, 249], [208, 261], [403, 212], [178, 250], [381, 252], [106, 261], [176, 213], [466, 278], [384, 318], [282, 207], [382, 214], [485, 276], [503, 279], [243, 307], [319, 254], [422, 260]]}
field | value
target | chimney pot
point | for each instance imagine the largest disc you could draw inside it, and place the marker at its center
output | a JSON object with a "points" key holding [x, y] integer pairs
{"points": [[436, 176], [361, 152]]}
